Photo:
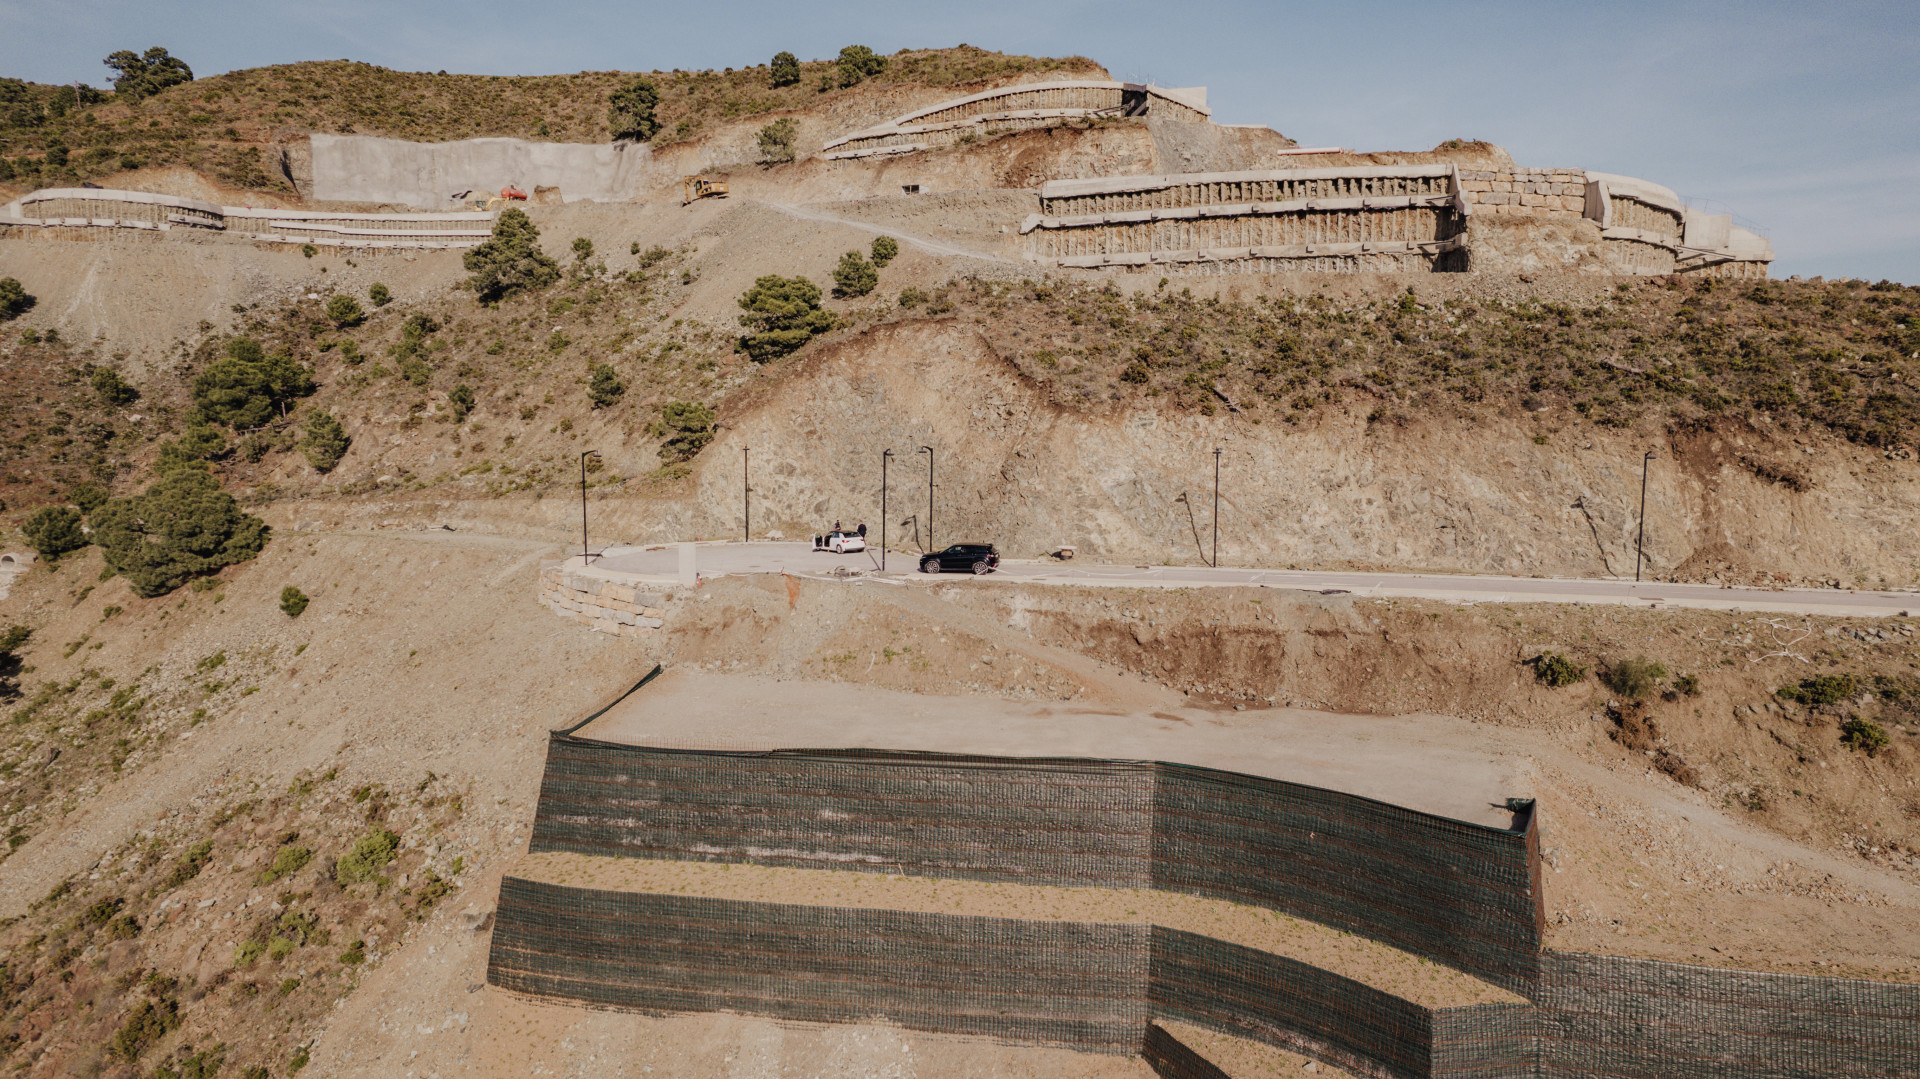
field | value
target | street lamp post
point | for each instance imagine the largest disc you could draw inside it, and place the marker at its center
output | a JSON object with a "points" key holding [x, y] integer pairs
{"points": [[928, 450], [746, 494], [584, 557], [884, 457], [1640, 544], [1216, 508]]}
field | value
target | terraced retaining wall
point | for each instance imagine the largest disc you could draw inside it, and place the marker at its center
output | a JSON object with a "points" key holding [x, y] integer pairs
{"points": [[92, 212], [1017, 108], [1384, 218], [1094, 986], [1460, 893]]}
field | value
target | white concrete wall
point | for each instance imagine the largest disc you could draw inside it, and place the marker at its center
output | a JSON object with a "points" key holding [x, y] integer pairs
{"points": [[362, 168]]}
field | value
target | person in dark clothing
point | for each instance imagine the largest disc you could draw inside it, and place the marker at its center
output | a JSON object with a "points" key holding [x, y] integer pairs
{"points": [[863, 531]]}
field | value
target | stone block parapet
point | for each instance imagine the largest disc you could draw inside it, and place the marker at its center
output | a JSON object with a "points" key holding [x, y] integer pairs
{"points": [[622, 604], [1020, 107], [143, 211]]}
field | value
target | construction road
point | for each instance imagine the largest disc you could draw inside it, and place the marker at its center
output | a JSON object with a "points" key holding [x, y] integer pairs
{"points": [[799, 559]]}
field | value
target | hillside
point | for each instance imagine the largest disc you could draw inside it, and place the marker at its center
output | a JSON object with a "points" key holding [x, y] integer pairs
{"points": [[227, 125]]}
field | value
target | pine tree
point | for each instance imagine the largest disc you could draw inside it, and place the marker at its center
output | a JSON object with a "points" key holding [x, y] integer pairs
{"points": [[326, 441]]}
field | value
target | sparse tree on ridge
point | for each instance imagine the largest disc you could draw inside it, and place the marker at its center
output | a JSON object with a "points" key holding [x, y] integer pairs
{"points": [[785, 69], [143, 75], [630, 110]]}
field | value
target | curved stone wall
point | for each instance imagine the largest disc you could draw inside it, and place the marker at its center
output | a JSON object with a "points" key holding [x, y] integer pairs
{"points": [[1018, 108], [141, 211]]}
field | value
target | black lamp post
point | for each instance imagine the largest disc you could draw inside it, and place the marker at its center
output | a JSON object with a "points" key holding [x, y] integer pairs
{"points": [[746, 495], [1216, 508], [884, 457], [1640, 544], [928, 450], [584, 557]]}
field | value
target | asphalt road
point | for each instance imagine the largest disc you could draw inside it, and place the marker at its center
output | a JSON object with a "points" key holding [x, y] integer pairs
{"points": [[717, 559]]}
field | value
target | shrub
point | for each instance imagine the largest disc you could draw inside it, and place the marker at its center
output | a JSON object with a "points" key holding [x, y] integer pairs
{"points": [[1687, 685], [460, 399], [783, 314], [1633, 678], [243, 388], [605, 387], [415, 370], [367, 858], [54, 531], [858, 62], [189, 865], [1820, 689], [180, 527], [138, 75], [630, 110], [855, 276], [776, 141], [688, 427], [309, 250], [512, 261], [293, 601], [912, 297], [195, 446], [785, 69], [885, 250], [582, 248], [112, 389], [326, 441], [14, 299], [379, 294], [286, 862], [1864, 735], [344, 311], [1135, 373], [87, 496], [148, 1022], [1557, 670]]}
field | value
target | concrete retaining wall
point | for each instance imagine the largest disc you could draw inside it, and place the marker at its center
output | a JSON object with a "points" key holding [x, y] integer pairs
{"points": [[363, 168]]}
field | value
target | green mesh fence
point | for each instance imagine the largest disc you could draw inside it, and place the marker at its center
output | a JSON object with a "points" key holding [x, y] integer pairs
{"points": [[1171, 1058], [1073, 984], [1456, 892]]}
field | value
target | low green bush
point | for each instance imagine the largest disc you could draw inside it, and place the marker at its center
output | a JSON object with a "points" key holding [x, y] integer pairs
{"points": [[776, 141], [1864, 735], [113, 390], [326, 441], [370, 855], [1820, 689], [605, 387], [380, 294], [54, 531], [782, 314], [293, 601], [1634, 679], [287, 861], [885, 250], [1556, 670], [344, 311], [854, 276], [14, 299]]}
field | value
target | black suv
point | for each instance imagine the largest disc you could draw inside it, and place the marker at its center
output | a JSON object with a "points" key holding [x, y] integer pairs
{"points": [[969, 557]]}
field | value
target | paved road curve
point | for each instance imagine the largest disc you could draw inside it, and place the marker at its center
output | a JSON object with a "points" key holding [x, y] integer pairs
{"points": [[717, 559]]}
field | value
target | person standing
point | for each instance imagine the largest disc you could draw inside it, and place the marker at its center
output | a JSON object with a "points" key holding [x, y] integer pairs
{"points": [[862, 530]]}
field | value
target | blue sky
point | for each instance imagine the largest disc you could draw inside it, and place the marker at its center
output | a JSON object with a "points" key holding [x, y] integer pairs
{"points": [[1801, 118]]}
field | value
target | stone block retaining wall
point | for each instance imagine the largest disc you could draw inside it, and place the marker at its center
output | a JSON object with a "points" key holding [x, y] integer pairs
{"points": [[612, 603]]}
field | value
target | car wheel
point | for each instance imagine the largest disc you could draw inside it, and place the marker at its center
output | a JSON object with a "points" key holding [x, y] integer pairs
{"points": [[981, 568], [929, 567]]}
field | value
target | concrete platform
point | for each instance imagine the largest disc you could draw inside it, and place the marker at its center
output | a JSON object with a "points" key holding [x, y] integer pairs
{"points": [[1430, 763]]}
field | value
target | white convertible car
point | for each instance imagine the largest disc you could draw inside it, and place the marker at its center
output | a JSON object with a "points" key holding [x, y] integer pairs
{"points": [[840, 542]]}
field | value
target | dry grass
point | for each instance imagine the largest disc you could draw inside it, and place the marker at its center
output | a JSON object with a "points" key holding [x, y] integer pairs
{"points": [[226, 125]]}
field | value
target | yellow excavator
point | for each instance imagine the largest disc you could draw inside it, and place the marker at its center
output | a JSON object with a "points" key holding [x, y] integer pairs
{"points": [[695, 188]]}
